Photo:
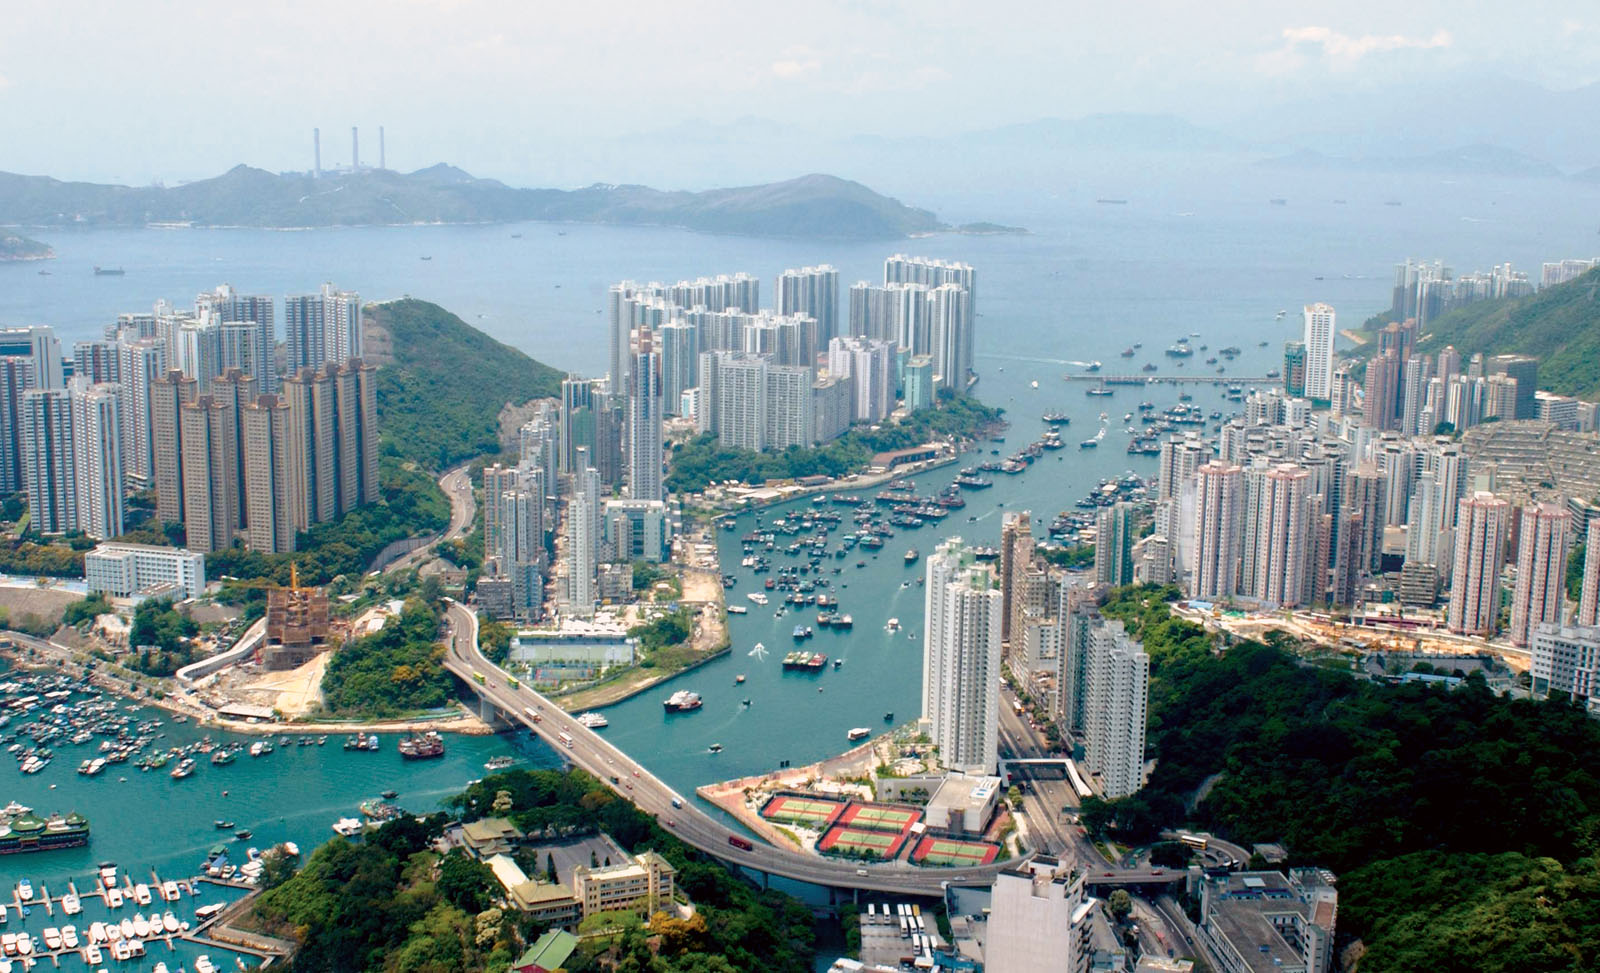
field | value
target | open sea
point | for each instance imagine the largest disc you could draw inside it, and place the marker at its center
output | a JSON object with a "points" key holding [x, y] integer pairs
{"points": [[1201, 252]]}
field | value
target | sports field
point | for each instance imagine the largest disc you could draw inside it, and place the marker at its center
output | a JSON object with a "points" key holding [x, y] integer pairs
{"points": [[879, 817], [881, 843], [804, 811], [947, 851]]}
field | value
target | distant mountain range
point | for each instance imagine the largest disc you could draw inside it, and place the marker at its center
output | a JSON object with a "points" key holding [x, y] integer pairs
{"points": [[14, 248], [814, 206]]}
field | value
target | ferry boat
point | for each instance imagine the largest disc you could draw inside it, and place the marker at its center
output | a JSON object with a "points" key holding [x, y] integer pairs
{"points": [[594, 721], [912, 555], [757, 597], [424, 747], [1099, 390], [859, 733], [495, 763], [683, 701]]}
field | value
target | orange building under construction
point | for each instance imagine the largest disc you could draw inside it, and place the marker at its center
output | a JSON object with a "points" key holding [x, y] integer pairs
{"points": [[297, 626]]}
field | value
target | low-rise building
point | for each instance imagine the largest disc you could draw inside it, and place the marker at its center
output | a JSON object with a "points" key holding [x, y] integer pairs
{"points": [[126, 570], [964, 803], [487, 837], [644, 884], [1269, 922], [549, 903], [548, 954], [595, 644]]}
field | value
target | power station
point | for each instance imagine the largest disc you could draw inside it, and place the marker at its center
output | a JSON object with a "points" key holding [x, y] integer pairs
{"points": [[355, 152]]}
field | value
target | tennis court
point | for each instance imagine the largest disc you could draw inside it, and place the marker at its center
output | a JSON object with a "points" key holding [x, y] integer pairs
{"points": [[804, 811], [947, 851], [840, 839], [879, 817]]}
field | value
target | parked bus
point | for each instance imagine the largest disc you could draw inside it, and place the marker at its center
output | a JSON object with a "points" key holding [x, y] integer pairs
{"points": [[739, 842], [566, 740]]}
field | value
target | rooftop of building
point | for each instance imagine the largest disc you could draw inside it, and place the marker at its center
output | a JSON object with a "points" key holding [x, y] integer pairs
{"points": [[550, 952], [485, 830], [962, 791]]}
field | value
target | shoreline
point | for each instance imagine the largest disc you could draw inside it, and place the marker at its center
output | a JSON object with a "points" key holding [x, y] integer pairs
{"points": [[463, 722]]}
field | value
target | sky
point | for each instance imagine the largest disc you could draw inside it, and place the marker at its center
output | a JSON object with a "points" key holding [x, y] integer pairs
{"points": [[140, 90]]}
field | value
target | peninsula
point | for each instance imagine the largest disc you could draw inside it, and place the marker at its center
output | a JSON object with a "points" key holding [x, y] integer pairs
{"points": [[809, 207]]}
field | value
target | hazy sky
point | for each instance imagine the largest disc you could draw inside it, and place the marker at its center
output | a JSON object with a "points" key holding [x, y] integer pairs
{"points": [[142, 89]]}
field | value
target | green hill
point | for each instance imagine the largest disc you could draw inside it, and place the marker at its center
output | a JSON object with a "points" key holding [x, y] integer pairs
{"points": [[14, 248], [1559, 325], [813, 207], [442, 382]]}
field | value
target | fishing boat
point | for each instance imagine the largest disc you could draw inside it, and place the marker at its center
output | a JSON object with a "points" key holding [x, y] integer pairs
{"points": [[184, 769], [682, 701], [423, 747]]}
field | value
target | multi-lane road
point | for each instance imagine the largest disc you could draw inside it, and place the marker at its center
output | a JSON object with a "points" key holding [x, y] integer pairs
{"points": [[676, 813], [457, 487]]}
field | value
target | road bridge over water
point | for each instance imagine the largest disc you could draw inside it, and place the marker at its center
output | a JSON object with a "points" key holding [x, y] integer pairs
{"points": [[588, 751]]}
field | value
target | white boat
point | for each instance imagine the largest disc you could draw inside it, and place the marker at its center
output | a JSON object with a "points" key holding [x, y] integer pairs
{"points": [[2, 915], [24, 891], [169, 891], [141, 926], [169, 923], [92, 955], [757, 597], [24, 944], [141, 894], [8, 943], [594, 721], [69, 937], [160, 968], [859, 733], [70, 904], [135, 947], [126, 926], [347, 827], [120, 951], [893, 625], [52, 938], [97, 933], [207, 911], [203, 964], [114, 898], [738, 610], [5, 965], [108, 876], [256, 749]]}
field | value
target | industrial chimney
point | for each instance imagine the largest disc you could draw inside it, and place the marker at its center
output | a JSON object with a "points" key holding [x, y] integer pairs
{"points": [[355, 149], [316, 153]]}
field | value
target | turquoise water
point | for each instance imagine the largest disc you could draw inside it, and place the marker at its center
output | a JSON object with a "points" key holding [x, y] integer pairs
{"points": [[1197, 252], [145, 819]]}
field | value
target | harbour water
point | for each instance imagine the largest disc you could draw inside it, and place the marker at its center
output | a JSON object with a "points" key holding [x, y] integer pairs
{"points": [[1208, 259]]}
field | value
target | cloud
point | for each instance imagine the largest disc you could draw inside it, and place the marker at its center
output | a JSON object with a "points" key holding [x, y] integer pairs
{"points": [[796, 66], [1341, 51], [5, 82]]}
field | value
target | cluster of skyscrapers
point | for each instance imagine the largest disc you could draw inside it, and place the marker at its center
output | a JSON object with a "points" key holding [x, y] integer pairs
{"points": [[794, 374], [1040, 623], [191, 403], [1378, 496]]}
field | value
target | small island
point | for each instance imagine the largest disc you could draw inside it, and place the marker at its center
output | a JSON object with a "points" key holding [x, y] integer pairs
{"points": [[16, 249]]}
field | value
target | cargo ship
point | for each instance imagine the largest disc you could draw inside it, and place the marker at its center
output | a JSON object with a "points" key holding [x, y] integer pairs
{"points": [[424, 747], [25, 831], [683, 701], [805, 661]]}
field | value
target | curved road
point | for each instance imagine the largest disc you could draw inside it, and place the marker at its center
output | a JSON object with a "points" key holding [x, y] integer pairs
{"points": [[592, 753], [457, 487]]}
